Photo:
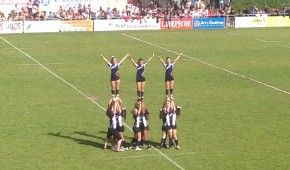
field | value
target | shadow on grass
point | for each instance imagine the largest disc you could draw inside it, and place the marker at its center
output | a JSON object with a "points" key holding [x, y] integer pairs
{"points": [[79, 141], [104, 133]]}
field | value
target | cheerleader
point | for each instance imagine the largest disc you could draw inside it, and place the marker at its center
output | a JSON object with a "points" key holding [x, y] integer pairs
{"points": [[136, 128], [112, 130], [115, 78], [166, 126], [174, 114], [169, 79], [144, 126], [140, 79], [121, 115]]}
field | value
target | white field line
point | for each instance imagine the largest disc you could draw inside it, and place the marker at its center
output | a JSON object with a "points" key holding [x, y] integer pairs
{"points": [[37, 64], [141, 156], [83, 94], [265, 41], [281, 45], [214, 66]]}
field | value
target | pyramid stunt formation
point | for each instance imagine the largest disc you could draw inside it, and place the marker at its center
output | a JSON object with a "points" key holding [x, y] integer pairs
{"points": [[117, 113]]}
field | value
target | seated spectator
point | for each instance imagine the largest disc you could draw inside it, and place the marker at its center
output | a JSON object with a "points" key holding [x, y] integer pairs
{"points": [[51, 16], [9, 18], [2, 17], [43, 15]]}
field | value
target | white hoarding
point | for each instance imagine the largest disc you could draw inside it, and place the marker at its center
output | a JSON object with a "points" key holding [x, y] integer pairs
{"points": [[41, 26], [11, 27], [122, 24], [251, 22]]}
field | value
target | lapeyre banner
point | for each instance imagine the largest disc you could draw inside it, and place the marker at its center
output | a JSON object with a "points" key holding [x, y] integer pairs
{"points": [[176, 23]]}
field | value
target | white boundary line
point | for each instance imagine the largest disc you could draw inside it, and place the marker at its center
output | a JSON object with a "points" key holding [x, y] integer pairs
{"points": [[265, 41], [211, 65], [141, 156], [82, 93], [37, 64]]}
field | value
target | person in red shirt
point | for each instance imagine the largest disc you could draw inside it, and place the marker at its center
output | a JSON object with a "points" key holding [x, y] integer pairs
{"points": [[211, 13]]}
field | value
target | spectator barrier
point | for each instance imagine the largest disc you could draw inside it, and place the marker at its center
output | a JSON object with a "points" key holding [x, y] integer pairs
{"points": [[143, 24], [76, 25], [278, 21], [122, 24], [176, 23], [251, 22], [209, 23], [41, 26], [11, 27]]}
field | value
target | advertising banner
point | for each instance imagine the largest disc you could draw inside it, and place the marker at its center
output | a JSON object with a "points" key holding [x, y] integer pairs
{"points": [[76, 25], [11, 27], [122, 24], [278, 21], [176, 23], [209, 22], [41, 26], [251, 22]]}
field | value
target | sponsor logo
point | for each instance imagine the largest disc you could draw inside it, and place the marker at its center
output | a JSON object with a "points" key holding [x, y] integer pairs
{"points": [[196, 23], [45, 2], [176, 23]]}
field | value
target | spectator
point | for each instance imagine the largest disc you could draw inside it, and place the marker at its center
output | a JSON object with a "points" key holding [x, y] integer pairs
{"points": [[36, 3], [9, 18], [51, 16], [2, 17], [29, 7]]}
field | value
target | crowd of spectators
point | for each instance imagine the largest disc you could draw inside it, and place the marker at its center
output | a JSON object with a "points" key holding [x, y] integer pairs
{"points": [[184, 9]]}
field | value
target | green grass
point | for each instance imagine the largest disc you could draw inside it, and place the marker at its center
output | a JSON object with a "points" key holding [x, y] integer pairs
{"points": [[227, 122]]}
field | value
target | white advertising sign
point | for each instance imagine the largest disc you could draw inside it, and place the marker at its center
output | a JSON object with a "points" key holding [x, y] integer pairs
{"points": [[121, 24], [41, 26], [251, 22], [11, 27]]}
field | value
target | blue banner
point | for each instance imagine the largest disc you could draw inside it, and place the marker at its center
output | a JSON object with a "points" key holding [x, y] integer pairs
{"points": [[208, 23]]}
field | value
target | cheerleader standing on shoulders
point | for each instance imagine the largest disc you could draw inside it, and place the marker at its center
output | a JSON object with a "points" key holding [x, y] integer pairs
{"points": [[140, 79], [112, 130], [169, 79], [166, 127], [136, 128], [115, 78], [144, 126]]}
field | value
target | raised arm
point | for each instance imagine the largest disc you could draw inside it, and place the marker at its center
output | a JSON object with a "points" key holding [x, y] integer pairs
{"points": [[115, 107], [123, 59], [161, 60], [105, 59], [177, 58], [132, 60], [139, 108], [173, 105], [119, 109], [150, 58]]}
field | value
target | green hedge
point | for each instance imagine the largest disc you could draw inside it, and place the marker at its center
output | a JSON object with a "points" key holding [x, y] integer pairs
{"points": [[243, 4]]}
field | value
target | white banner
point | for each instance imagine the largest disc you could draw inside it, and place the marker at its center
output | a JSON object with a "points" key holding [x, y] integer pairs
{"points": [[251, 22], [122, 24], [41, 26], [11, 27]]}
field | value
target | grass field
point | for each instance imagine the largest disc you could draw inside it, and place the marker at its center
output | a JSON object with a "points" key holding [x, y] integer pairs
{"points": [[50, 118]]}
